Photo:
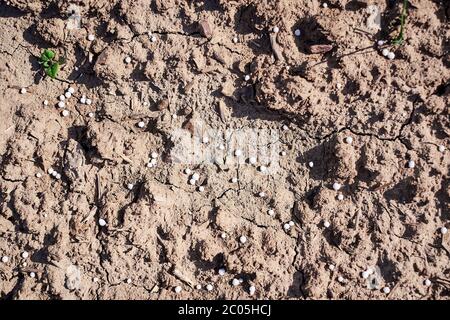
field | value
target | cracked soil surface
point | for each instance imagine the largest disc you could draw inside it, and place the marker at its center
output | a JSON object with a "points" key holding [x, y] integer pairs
{"points": [[190, 59]]}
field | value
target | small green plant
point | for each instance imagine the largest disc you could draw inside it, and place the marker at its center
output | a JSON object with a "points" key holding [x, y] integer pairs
{"points": [[400, 38], [49, 63]]}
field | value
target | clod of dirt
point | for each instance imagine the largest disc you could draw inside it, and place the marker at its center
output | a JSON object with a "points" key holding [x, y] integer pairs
{"points": [[228, 89], [320, 48], [162, 104], [205, 28], [51, 30], [275, 47], [73, 277]]}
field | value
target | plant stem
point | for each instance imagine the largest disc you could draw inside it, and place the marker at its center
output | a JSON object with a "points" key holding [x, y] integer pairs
{"points": [[399, 39]]}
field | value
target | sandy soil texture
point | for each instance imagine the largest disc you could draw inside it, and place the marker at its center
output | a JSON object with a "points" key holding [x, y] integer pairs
{"points": [[219, 149]]}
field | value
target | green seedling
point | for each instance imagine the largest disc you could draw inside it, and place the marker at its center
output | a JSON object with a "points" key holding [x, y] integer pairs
{"points": [[400, 38], [49, 63]]}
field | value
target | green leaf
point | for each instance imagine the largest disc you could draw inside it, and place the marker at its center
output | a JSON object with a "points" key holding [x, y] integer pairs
{"points": [[49, 54], [46, 64], [43, 58], [52, 71]]}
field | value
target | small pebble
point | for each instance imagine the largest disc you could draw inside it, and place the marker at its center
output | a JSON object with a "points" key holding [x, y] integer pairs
{"points": [[297, 33], [340, 279], [91, 37], [336, 186], [223, 235], [62, 97], [50, 170], [91, 114], [291, 223], [247, 77], [32, 275], [201, 188], [252, 160], [67, 94], [365, 274], [178, 289], [141, 124], [65, 113], [276, 29], [192, 181], [209, 287], [252, 290], [349, 140], [45, 102], [311, 164], [444, 230], [174, 116], [235, 40], [195, 176], [283, 153], [385, 52], [243, 239], [222, 271], [101, 222], [234, 180], [325, 5], [221, 147], [130, 186], [23, 90], [5, 259], [386, 290], [88, 101], [25, 254], [380, 42], [198, 287], [95, 279], [391, 55], [271, 212], [340, 196], [127, 60], [153, 39], [187, 171], [38, 175], [286, 226], [411, 164], [285, 127], [263, 168], [262, 194], [427, 282], [61, 104], [441, 148], [129, 281], [235, 282], [71, 90], [238, 153], [58, 176], [205, 140], [331, 267], [326, 224]]}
